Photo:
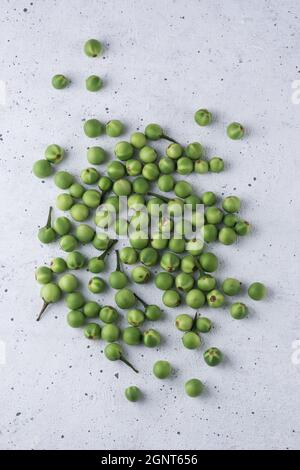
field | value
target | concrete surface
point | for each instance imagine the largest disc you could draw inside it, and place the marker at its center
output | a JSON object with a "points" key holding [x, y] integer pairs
{"points": [[162, 61]]}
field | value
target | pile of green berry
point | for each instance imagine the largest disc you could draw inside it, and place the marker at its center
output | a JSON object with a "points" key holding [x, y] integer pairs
{"points": [[187, 266]]}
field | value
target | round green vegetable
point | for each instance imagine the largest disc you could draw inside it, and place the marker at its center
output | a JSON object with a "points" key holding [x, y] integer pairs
{"points": [[108, 314], [110, 333], [213, 357], [93, 83], [208, 262], [216, 164], [191, 340], [257, 291], [203, 325], [75, 319], [43, 275], [54, 153], [50, 293], [203, 117], [114, 128], [132, 336], [235, 131], [193, 388], [231, 286], [125, 298], [162, 369], [124, 150], [91, 309], [238, 310], [42, 169], [68, 283], [231, 204], [215, 299], [92, 48], [59, 82], [151, 338], [132, 393], [184, 322], [92, 331], [227, 236], [63, 179], [93, 128], [138, 140], [75, 300], [171, 298], [58, 265], [47, 234]]}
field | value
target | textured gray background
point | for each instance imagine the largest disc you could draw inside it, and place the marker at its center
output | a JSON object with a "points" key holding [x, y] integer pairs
{"points": [[163, 60]]}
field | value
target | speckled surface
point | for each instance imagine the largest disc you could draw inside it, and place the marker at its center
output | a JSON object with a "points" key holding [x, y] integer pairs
{"points": [[163, 60]]}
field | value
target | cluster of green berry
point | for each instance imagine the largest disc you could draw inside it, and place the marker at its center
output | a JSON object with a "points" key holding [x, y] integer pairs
{"points": [[186, 265]]}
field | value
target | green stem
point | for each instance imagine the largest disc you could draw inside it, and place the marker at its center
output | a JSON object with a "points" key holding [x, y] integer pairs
{"points": [[103, 193], [122, 358], [48, 224], [105, 253], [166, 137], [45, 305], [118, 261], [141, 300], [194, 321], [163, 198]]}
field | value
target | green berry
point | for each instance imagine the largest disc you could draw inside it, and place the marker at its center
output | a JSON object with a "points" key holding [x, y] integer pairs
{"points": [[235, 131], [124, 150], [68, 283], [92, 331], [59, 82], [151, 338], [193, 388], [75, 319], [138, 140], [184, 322], [213, 357], [54, 153], [194, 151], [203, 325], [63, 179], [93, 83], [132, 393], [215, 299], [231, 204], [114, 128], [171, 298], [203, 117], [42, 169], [43, 275], [227, 236], [191, 340], [238, 310], [231, 286], [110, 333], [216, 164], [132, 335], [162, 369], [93, 48], [108, 314], [91, 309], [93, 128], [257, 291], [96, 155]]}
